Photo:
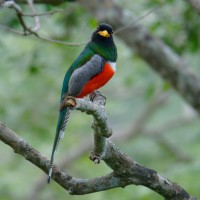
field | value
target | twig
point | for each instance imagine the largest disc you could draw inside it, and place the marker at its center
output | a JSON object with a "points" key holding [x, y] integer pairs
{"points": [[50, 2], [59, 41], [17, 8], [11, 4], [27, 31], [6, 28], [43, 13], [36, 28], [139, 18], [41, 37], [32, 31]]}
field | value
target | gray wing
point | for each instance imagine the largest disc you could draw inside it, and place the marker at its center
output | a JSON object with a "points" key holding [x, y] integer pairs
{"points": [[83, 74]]}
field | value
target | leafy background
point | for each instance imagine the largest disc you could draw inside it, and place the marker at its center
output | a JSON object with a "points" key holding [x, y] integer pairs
{"points": [[31, 75]]}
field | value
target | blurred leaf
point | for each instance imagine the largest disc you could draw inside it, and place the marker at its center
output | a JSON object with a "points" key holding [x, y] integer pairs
{"points": [[166, 86], [150, 91]]}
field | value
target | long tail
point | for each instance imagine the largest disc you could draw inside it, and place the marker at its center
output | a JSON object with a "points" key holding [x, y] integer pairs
{"points": [[60, 130]]}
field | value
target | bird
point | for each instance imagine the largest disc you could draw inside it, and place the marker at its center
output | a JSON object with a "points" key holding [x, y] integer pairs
{"points": [[91, 70]]}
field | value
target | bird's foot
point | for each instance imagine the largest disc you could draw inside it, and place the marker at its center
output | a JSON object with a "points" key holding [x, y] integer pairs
{"points": [[97, 97], [67, 101]]}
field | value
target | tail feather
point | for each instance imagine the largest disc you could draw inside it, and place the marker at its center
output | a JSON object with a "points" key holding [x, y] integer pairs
{"points": [[60, 130]]}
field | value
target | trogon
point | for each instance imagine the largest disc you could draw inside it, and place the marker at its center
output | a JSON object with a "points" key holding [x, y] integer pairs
{"points": [[92, 69]]}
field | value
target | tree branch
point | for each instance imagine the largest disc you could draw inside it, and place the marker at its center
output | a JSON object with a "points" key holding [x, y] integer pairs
{"points": [[37, 26], [51, 2], [129, 134], [125, 170]]}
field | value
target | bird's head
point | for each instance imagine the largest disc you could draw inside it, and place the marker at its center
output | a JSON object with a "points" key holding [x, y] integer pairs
{"points": [[103, 32]]}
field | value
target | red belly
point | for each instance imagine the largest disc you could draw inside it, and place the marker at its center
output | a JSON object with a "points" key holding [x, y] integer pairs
{"points": [[97, 81]]}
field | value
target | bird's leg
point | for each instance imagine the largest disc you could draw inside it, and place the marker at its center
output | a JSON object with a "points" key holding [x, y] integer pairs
{"points": [[98, 98], [67, 101]]}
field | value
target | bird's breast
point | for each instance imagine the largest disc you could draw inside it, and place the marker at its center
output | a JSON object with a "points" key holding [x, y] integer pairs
{"points": [[99, 80]]}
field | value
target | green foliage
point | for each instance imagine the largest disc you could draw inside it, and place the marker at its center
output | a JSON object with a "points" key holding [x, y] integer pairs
{"points": [[31, 75], [178, 25]]}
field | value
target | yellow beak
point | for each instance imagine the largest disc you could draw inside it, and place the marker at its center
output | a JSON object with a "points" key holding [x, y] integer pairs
{"points": [[104, 33]]}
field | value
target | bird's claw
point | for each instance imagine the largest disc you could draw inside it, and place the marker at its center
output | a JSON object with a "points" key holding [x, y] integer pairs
{"points": [[98, 97], [67, 101]]}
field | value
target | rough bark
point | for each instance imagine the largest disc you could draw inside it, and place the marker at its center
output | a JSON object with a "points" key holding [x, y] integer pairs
{"points": [[125, 170]]}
